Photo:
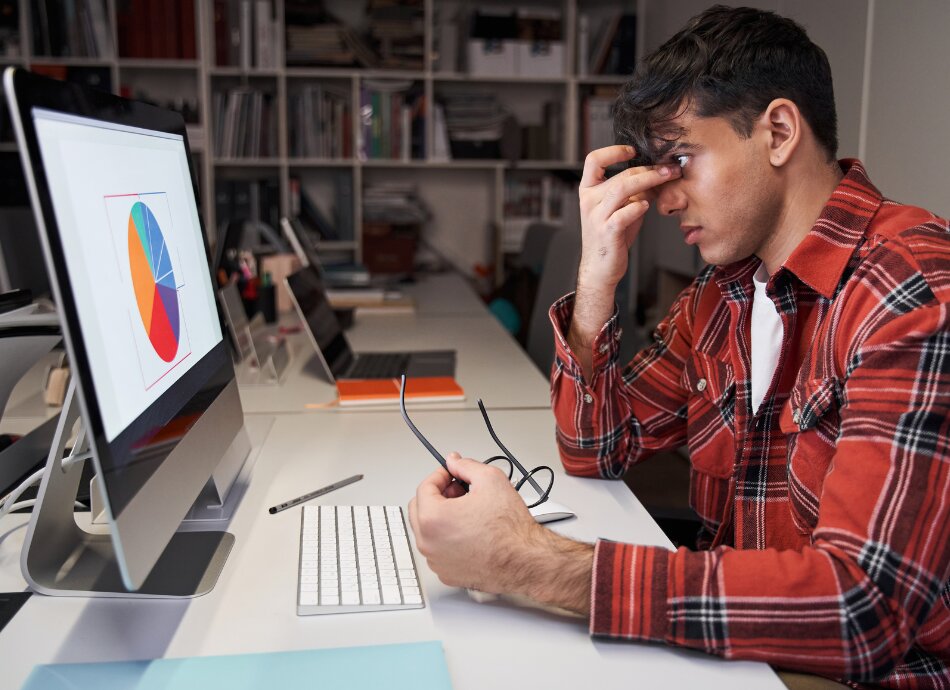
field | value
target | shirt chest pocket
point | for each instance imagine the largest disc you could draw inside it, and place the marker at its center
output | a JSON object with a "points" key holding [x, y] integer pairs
{"points": [[811, 422], [711, 406]]}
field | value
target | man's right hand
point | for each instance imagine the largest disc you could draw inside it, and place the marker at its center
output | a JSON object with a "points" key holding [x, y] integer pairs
{"points": [[612, 212]]}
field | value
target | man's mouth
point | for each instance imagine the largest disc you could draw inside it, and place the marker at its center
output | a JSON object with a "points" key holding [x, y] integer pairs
{"points": [[691, 233]]}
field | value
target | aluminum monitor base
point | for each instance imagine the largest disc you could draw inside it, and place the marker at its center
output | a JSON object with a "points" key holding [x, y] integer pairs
{"points": [[60, 558]]}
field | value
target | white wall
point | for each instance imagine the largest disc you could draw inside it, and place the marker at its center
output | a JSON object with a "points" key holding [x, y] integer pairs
{"points": [[907, 140], [891, 72]]}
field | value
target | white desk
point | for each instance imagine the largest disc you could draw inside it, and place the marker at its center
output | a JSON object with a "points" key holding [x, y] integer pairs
{"points": [[489, 364], [252, 609], [444, 294]]}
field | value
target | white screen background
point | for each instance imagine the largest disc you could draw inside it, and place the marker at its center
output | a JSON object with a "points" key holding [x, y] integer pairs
{"points": [[91, 167]]}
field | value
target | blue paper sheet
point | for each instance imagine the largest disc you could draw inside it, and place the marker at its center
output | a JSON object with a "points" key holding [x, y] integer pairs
{"points": [[415, 666]]}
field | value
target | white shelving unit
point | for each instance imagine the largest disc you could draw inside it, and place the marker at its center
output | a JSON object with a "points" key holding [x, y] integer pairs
{"points": [[466, 196]]}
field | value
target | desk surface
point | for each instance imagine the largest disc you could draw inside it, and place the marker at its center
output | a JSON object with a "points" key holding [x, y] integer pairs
{"points": [[444, 294], [489, 364], [252, 608]]}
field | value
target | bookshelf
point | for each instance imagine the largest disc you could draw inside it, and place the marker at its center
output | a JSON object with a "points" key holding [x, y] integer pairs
{"points": [[266, 91]]}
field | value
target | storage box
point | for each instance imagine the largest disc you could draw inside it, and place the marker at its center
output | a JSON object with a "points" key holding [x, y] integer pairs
{"points": [[389, 248], [540, 59], [491, 57]]}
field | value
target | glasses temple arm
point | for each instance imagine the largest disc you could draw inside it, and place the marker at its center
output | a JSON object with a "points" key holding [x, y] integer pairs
{"points": [[422, 439], [524, 472]]}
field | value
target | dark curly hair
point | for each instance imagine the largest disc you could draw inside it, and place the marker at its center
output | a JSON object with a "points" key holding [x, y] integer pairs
{"points": [[729, 62]]}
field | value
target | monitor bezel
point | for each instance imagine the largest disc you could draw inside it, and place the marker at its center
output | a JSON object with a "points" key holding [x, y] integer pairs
{"points": [[214, 370]]}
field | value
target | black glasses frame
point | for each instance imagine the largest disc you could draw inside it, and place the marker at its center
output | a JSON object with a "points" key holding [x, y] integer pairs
{"points": [[527, 476]]}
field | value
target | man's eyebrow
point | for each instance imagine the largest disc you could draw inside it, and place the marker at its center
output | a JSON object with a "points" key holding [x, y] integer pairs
{"points": [[683, 146]]}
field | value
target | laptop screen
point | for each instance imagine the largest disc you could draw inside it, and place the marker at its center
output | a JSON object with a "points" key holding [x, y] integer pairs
{"points": [[317, 314]]}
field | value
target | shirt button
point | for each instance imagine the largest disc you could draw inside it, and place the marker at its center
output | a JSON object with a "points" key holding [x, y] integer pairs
{"points": [[588, 398], [603, 348], [796, 416], [701, 385]]}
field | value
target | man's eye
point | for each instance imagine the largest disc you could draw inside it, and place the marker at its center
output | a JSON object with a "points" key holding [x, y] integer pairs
{"points": [[681, 159]]}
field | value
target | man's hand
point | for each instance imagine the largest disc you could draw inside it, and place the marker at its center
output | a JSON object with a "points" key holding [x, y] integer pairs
{"points": [[487, 540], [612, 214]]}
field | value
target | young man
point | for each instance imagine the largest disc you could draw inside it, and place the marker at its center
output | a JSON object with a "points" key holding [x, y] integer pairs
{"points": [[807, 369]]}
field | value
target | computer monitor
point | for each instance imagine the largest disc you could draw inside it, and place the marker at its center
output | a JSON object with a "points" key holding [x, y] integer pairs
{"points": [[115, 201]]}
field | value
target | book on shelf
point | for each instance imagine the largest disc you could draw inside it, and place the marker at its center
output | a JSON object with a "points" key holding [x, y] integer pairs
{"points": [[256, 200], [321, 126], [246, 34], [78, 29], [389, 110], [614, 50], [156, 29], [245, 118], [597, 128], [386, 391]]}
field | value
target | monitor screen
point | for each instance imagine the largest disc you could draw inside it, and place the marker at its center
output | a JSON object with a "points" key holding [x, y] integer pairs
{"points": [[146, 309]]}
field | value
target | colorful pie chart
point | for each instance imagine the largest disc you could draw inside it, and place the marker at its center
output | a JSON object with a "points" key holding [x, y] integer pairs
{"points": [[154, 281]]}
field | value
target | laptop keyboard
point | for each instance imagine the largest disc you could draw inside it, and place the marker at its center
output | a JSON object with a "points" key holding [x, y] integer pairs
{"points": [[379, 365], [355, 558]]}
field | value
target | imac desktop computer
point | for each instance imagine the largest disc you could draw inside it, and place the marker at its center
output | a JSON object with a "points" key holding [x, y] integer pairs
{"points": [[115, 201]]}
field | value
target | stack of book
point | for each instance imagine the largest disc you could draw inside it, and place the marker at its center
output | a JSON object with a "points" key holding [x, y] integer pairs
{"points": [[320, 123], [397, 30], [396, 203], [475, 123]]}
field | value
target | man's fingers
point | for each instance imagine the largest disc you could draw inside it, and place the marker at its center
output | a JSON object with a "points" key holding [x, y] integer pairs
{"points": [[599, 160], [624, 217], [435, 484], [619, 189]]}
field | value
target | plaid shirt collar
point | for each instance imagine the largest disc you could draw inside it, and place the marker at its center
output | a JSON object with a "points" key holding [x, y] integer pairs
{"points": [[821, 258]]}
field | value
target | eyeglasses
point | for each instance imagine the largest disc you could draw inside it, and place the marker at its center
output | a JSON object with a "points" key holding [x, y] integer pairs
{"points": [[542, 472]]}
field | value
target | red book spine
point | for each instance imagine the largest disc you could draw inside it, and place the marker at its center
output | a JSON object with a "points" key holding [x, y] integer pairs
{"points": [[188, 22]]}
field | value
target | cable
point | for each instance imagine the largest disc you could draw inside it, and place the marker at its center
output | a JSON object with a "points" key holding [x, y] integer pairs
{"points": [[8, 502]]}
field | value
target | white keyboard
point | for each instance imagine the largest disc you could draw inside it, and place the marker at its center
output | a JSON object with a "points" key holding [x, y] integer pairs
{"points": [[355, 558]]}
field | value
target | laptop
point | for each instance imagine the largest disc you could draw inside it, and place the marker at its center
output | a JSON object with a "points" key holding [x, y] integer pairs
{"points": [[333, 350]]}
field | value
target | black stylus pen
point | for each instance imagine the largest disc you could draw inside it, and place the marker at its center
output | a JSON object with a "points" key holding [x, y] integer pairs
{"points": [[313, 494]]}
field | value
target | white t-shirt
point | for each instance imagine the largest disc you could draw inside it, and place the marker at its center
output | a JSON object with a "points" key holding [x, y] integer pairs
{"points": [[766, 338]]}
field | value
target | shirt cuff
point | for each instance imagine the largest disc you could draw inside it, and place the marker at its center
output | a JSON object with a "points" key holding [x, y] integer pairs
{"points": [[606, 345], [629, 592]]}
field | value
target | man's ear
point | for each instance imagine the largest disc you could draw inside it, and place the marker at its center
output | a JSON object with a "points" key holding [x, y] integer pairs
{"points": [[782, 127]]}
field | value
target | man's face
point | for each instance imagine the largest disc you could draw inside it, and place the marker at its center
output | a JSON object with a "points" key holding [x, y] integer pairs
{"points": [[727, 200]]}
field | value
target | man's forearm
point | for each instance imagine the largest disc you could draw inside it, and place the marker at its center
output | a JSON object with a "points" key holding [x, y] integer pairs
{"points": [[556, 571], [592, 308]]}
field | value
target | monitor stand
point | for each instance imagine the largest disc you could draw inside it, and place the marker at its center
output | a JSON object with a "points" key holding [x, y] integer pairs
{"points": [[60, 558]]}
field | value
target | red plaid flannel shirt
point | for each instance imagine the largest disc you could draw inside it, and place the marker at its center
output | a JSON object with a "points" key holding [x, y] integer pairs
{"points": [[826, 513]]}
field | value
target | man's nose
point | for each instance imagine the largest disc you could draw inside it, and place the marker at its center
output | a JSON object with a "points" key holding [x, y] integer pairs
{"points": [[670, 198]]}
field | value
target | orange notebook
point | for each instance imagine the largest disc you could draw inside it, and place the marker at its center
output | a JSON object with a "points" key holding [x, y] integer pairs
{"points": [[380, 391]]}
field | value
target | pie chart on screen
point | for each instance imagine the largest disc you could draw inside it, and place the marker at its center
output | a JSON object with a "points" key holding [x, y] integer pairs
{"points": [[153, 279]]}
